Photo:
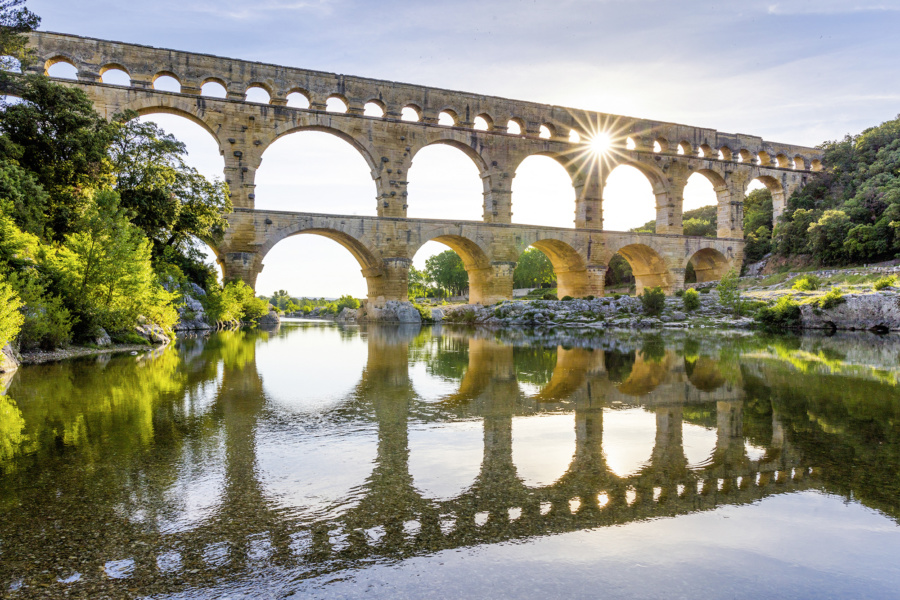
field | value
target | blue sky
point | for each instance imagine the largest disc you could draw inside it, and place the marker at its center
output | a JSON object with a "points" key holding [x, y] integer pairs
{"points": [[798, 71]]}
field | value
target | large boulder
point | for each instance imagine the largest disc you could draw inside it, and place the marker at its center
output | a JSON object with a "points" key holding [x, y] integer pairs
{"points": [[191, 314], [866, 312], [102, 339], [270, 320], [348, 315], [394, 311], [151, 332], [9, 359]]}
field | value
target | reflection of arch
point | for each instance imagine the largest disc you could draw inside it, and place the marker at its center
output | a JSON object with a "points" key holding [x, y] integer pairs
{"points": [[709, 264], [646, 375], [648, 267], [704, 373], [619, 365], [570, 373]]}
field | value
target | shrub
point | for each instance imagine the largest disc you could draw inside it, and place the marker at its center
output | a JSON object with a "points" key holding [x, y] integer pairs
{"points": [[549, 297], [589, 297], [346, 302], [653, 300], [691, 299], [807, 283], [424, 312], [679, 293], [47, 324], [831, 299], [729, 294], [567, 298], [885, 282], [784, 314]]}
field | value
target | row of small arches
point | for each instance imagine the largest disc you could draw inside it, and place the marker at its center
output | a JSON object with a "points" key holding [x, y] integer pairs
{"points": [[116, 74]]}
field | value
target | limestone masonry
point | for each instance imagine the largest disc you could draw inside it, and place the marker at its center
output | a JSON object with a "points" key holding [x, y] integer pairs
{"points": [[384, 245]]}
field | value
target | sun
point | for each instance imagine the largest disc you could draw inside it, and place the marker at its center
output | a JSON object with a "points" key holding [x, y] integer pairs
{"points": [[601, 143]]}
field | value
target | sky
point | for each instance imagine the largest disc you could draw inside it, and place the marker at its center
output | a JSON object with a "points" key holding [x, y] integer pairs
{"points": [[800, 72]]}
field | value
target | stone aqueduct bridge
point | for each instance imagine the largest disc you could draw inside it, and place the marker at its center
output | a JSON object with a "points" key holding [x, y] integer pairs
{"points": [[666, 153]]}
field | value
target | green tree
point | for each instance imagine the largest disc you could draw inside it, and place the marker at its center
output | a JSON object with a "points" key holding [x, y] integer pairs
{"points": [[56, 135], [10, 318], [757, 225], [447, 271], [533, 270], [827, 235], [15, 20], [171, 202], [416, 284], [105, 273], [729, 293]]}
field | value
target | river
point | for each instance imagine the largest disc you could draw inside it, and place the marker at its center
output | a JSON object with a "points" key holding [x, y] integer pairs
{"points": [[330, 461]]}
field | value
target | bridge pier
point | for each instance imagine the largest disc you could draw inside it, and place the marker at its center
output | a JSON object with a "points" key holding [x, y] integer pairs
{"points": [[243, 266], [491, 284]]}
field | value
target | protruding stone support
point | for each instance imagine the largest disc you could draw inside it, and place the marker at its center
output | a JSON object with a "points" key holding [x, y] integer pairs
{"points": [[390, 282], [497, 196], [589, 196], [245, 266], [491, 284], [730, 211], [390, 175], [580, 283]]}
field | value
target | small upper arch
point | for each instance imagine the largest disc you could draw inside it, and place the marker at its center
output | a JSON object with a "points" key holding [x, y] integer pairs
{"points": [[725, 153], [297, 98], [374, 107], [516, 126], [763, 158], [448, 117], [483, 122], [337, 103], [660, 145], [411, 112], [64, 60], [799, 163], [259, 93], [685, 147], [783, 161]]}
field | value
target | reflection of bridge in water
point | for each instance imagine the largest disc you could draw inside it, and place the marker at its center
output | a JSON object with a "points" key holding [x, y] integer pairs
{"points": [[394, 520]]}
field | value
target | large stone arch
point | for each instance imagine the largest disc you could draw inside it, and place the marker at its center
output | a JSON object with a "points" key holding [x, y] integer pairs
{"points": [[372, 266], [776, 188], [648, 265], [367, 150], [709, 264], [418, 201], [568, 188], [575, 277], [666, 196], [484, 286], [145, 108]]}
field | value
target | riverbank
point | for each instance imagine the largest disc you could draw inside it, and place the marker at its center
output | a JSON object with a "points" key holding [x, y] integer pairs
{"points": [[40, 356]]}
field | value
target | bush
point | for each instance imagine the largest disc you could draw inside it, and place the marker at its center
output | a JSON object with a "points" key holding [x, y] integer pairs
{"points": [[567, 298], [346, 302], [831, 299], [425, 312], [691, 299], [589, 297], [679, 293], [653, 300], [885, 282], [807, 283], [47, 324], [549, 297], [784, 314], [729, 294], [705, 290]]}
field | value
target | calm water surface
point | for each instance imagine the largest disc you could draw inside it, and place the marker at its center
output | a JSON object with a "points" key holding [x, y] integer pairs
{"points": [[318, 461]]}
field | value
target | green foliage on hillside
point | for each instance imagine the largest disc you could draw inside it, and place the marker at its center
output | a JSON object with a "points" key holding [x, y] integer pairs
{"points": [[447, 271], [698, 222], [850, 212]]}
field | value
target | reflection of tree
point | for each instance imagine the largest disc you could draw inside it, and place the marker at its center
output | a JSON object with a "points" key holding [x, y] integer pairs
{"points": [[534, 364], [619, 365]]}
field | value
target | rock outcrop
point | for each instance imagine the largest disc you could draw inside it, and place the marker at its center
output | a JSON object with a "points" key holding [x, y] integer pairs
{"points": [[191, 314], [879, 311], [151, 332], [270, 320], [9, 359], [348, 315], [393, 312]]}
